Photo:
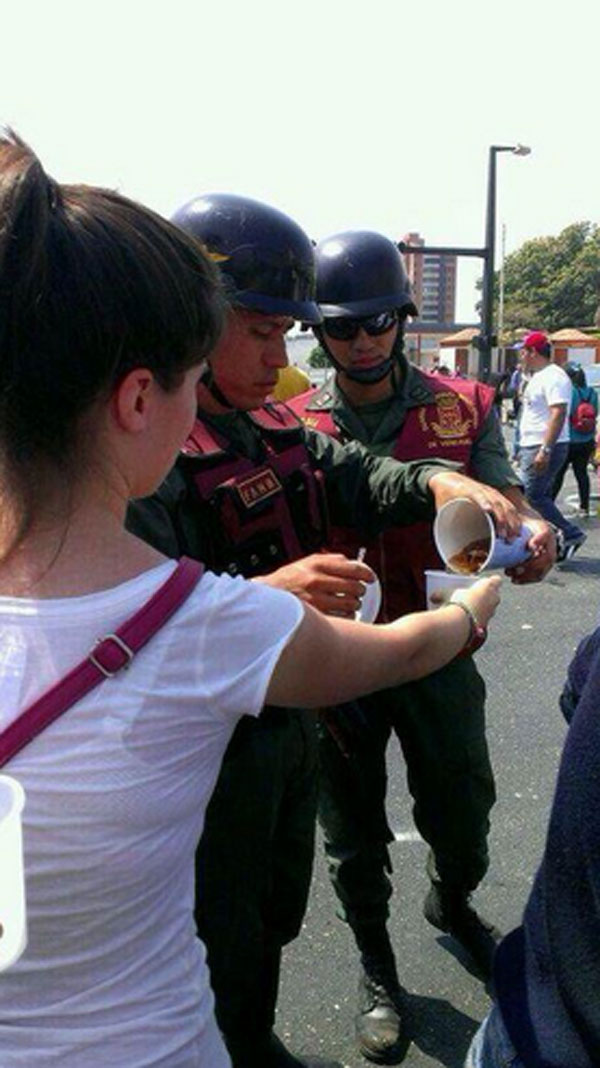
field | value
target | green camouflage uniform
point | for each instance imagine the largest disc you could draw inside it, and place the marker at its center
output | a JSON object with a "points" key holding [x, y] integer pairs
{"points": [[254, 862]]}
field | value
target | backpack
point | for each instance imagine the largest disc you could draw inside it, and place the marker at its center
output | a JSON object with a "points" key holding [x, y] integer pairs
{"points": [[583, 419]]}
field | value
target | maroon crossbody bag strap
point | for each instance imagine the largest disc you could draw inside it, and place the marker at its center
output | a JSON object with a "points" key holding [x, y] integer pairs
{"points": [[108, 656]]}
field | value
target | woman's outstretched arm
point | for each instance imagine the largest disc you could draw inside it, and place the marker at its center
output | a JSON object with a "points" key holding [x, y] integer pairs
{"points": [[330, 660]]}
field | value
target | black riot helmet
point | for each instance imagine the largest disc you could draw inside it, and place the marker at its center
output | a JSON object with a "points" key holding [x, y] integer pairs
{"points": [[265, 258], [360, 273]]}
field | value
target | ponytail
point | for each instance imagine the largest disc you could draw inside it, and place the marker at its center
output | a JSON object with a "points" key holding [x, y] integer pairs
{"points": [[91, 286]]}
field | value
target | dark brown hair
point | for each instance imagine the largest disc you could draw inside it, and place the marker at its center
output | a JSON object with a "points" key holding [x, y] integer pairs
{"points": [[91, 286]]}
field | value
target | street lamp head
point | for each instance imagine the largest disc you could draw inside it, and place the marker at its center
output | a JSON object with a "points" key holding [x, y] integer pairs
{"points": [[517, 150]]}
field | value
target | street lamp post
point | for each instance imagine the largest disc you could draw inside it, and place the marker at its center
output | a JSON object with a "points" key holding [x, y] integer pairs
{"points": [[485, 340], [501, 293], [487, 301]]}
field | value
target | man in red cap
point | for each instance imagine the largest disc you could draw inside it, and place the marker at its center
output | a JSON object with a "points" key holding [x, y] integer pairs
{"points": [[545, 435]]}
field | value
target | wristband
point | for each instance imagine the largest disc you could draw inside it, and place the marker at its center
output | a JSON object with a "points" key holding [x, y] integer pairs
{"points": [[477, 632]]}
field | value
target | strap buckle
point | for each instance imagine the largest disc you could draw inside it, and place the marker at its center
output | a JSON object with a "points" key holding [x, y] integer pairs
{"points": [[129, 654]]}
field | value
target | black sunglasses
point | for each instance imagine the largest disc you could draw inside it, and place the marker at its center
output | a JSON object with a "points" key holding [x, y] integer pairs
{"points": [[346, 329]]}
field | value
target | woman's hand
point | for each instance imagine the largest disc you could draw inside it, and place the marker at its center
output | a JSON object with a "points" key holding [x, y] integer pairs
{"points": [[483, 598]]}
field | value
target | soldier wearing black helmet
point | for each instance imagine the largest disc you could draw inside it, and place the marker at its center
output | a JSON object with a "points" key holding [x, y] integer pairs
{"points": [[378, 398], [251, 494]]}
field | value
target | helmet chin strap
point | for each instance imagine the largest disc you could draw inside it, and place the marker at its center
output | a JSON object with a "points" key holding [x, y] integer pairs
{"points": [[368, 375], [208, 381]]}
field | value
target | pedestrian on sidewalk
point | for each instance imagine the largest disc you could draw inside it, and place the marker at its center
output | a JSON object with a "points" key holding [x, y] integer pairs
{"points": [[582, 417], [544, 442], [516, 389]]}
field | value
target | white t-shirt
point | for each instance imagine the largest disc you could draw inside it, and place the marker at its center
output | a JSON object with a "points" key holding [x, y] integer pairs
{"points": [[549, 386], [116, 791]]}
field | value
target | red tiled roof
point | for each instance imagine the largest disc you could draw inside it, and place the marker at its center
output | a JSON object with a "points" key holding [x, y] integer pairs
{"points": [[571, 336], [463, 337]]}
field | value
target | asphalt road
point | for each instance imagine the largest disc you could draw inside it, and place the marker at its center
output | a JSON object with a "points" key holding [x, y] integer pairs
{"points": [[524, 663]]}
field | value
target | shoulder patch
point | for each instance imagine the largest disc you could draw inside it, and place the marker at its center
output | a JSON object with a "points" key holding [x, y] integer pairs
{"points": [[451, 416]]}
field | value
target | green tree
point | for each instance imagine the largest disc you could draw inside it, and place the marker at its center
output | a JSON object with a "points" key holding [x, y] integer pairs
{"points": [[318, 358], [553, 282]]}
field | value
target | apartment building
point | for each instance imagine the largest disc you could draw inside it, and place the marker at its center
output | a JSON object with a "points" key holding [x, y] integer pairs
{"points": [[433, 280]]}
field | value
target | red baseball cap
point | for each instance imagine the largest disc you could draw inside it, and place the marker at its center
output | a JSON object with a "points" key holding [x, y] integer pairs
{"points": [[537, 340]]}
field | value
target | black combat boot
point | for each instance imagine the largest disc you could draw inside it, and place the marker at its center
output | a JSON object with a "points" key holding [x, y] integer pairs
{"points": [[259, 1046], [256, 1045], [278, 1056], [265, 1051], [451, 911], [380, 1030], [271, 1053]]}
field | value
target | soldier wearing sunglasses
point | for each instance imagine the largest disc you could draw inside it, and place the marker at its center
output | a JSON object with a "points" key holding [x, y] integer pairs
{"points": [[377, 398]]}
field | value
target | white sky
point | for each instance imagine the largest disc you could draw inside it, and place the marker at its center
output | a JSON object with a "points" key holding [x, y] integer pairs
{"points": [[377, 114]]}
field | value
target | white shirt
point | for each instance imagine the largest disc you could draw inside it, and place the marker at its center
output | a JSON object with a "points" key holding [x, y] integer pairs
{"points": [[116, 791], [549, 386]]}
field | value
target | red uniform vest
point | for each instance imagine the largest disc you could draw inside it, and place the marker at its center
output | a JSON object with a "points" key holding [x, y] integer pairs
{"points": [[443, 429], [266, 513]]}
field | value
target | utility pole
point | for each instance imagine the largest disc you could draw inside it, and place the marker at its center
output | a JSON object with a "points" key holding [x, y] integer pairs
{"points": [[487, 303], [486, 339]]}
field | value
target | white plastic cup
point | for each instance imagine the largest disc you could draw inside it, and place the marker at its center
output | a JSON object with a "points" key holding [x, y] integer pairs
{"points": [[371, 602], [13, 920], [442, 584], [461, 522]]}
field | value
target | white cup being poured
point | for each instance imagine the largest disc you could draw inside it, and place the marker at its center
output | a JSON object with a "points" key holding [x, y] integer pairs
{"points": [[13, 921], [466, 539]]}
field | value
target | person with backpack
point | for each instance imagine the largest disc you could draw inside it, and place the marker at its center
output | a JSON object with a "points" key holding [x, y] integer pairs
{"points": [[583, 413], [106, 314]]}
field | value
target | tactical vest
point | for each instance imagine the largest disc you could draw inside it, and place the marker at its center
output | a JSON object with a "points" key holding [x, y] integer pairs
{"points": [[263, 514], [443, 429]]}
